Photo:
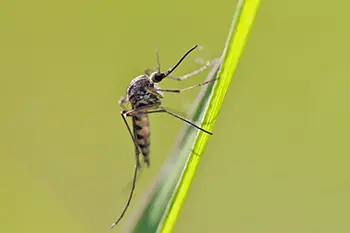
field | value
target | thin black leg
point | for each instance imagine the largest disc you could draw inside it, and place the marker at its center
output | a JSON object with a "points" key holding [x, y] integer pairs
{"points": [[177, 116], [129, 199], [137, 150], [137, 166]]}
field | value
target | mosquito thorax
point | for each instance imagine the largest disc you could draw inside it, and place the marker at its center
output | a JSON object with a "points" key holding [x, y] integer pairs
{"points": [[138, 91]]}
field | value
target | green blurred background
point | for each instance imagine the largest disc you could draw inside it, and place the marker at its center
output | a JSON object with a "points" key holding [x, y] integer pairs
{"points": [[279, 157]]}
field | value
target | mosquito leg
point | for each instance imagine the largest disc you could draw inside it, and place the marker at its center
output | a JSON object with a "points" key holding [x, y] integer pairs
{"points": [[137, 150], [128, 186], [137, 166], [142, 110], [195, 72], [187, 88], [177, 116], [129, 199], [187, 121]]}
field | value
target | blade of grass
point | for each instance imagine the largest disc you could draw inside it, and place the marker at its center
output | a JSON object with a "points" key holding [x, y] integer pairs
{"points": [[164, 200], [242, 23]]}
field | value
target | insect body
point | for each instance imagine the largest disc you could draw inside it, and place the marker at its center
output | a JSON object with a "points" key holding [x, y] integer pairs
{"points": [[145, 96], [139, 96]]}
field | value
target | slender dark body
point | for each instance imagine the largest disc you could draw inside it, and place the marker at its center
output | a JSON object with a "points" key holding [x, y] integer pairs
{"points": [[140, 96]]}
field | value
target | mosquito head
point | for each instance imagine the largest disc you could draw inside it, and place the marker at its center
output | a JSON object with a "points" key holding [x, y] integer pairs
{"points": [[156, 77]]}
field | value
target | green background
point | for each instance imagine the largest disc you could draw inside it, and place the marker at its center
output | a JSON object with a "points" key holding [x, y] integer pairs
{"points": [[278, 160]]}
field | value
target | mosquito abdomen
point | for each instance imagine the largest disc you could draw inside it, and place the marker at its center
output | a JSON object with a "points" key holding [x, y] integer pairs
{"points": [[142, 135]]}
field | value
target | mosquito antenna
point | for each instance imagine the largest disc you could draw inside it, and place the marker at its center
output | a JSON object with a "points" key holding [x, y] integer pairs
{"points": [[158, 60], [178, 63], [130, 197]]}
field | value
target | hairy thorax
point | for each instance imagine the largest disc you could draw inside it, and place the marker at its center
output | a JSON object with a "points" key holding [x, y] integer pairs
{"points": [[142, 92]]}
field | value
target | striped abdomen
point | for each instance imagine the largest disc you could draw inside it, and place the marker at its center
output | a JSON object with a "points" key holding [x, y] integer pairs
{"points": [[141, 132]]}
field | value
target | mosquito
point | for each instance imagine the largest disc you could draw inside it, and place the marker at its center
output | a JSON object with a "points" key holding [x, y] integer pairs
{"points": [[145, 97]]}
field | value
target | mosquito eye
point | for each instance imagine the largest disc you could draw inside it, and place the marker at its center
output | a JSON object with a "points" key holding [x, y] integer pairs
{"points": [[158, 77]]}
